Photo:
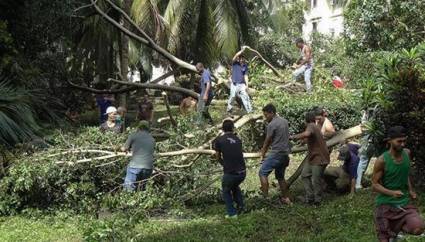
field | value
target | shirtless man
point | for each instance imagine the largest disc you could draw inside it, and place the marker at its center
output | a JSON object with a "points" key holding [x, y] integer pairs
{"points": [[305, 64], [326, 127]]}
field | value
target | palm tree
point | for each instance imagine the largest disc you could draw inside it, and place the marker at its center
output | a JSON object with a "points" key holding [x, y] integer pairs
{"points": [[195, 30]]}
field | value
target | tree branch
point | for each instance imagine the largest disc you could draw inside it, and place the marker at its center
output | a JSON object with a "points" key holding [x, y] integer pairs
{"points": [[98, 91], [159, 87], [167, 105], [275, 71], [146, 40]]}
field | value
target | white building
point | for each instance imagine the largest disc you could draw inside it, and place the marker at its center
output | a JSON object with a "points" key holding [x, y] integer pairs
{"points": [[324, 16]]}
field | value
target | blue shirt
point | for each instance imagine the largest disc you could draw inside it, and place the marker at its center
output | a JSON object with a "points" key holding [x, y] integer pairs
{"points": [[103, 104], [238, 72], [205, 78], [350, 165]]}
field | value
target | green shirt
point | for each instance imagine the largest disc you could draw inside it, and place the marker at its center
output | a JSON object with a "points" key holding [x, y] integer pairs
{"points": [[142, 146], [396, 177]]}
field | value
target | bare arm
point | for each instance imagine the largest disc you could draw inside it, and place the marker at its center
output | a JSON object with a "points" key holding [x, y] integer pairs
{"points": [[302, 135], [411, 189], [307, 56], [238, 54], [329, 129], [266, 146], [378, 173], [219, 157]]}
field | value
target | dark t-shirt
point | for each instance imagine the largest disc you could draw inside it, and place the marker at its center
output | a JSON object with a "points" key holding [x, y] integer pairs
{"points": [[230, 146], [238, 72], [278, 130], [317, 150], [350, 164]]}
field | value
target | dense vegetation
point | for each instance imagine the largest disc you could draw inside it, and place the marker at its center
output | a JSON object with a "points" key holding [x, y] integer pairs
{"points": [[380, 57]]}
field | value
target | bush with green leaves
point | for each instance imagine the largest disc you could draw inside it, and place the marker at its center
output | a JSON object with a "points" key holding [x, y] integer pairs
{"points": [[399, 91]]}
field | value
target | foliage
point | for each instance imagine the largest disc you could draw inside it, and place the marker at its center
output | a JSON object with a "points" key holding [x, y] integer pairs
{"points": [[383, 25], [16, 116], [400, 94]]}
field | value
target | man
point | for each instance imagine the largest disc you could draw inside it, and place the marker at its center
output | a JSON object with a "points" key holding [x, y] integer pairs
{"points": [[326, 127], [366, 150], [120, 118], [349, 154], [391, 181], [206, 94], [304, 65], [277, 137], [228, 149], [317, 160], [111, 124], [103, 101], [239, 84], [142, 146], [145, 111]]}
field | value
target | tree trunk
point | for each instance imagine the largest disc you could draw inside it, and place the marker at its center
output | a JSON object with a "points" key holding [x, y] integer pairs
{"points": [[124, 51]]}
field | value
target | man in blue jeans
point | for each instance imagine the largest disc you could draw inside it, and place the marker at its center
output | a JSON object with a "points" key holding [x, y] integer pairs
{"points": [[142, 146], [304, 65], [277, 159], [239, 84], [229, 153]]}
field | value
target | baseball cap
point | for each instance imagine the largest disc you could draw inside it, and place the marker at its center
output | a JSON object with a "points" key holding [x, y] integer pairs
{"points": [[110, 109]]}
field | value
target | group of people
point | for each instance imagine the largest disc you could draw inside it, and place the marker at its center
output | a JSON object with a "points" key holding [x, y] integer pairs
{"points": [[239, 80], [394, 211]]}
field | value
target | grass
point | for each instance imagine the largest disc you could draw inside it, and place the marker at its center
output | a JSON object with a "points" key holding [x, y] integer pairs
{"points": [[340, 218]]}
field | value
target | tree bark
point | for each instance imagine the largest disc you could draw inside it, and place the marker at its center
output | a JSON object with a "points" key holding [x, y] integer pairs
{"points": [[124, 47]]}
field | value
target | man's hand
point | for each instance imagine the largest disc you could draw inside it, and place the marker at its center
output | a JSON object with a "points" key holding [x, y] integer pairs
{"points": [[397, 193], [413, 195]]}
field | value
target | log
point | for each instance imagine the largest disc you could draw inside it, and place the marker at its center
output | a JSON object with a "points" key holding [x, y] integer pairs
{"points": [[159, 87], [275, 71]]}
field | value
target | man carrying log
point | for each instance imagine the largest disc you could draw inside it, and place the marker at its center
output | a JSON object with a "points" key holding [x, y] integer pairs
{"points": [[229, 154], [277, 137], [239, 84], [318, 159], [394, 212]]}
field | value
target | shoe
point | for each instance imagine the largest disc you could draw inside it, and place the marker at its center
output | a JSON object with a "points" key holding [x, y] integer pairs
{"points": [[231, 216]]}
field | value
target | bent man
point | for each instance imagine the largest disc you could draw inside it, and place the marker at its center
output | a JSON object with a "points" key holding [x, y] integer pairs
{"points": [[277, 137], [394, 212], [229, 153]]}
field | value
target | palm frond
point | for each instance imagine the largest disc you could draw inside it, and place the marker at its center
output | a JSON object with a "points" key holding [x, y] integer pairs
{"points": [[226, 28]]}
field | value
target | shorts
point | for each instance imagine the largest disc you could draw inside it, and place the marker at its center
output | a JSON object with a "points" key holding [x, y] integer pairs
{"points": [[277, 162], [389, 221]]}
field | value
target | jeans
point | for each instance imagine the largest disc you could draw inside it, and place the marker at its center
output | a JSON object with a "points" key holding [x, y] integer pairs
{"points": [[363, 163], [307, 70], [133, 176], [231, 191], [275, 161], [202, 109], [312, 180], [239, 90]]}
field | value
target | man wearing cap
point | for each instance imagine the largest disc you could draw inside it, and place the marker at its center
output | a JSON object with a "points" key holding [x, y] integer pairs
{"points": [[239, 84], [394, 212], [111, 123], [103, 101], [142, 146]]}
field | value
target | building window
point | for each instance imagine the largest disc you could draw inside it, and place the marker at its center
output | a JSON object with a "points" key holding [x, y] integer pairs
{"points": [[332, 32], [313, 3], [314, 27]]}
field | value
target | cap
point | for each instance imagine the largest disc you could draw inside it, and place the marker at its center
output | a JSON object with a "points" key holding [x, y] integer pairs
{"points": [[396, 132], [110, 109]]}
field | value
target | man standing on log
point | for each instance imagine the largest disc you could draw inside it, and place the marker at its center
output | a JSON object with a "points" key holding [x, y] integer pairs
{"points": [[206, 95], [277, 137], [394, 212], [229, 153], [317, 160], [239, 84], [304, 65]]}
